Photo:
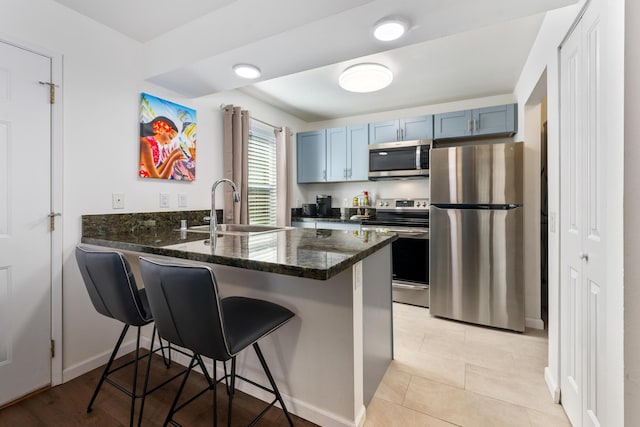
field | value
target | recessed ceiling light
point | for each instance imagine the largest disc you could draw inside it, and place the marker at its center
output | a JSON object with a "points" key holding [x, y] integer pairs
{"points": [[365, 77], [391, 28], [247, 71]]}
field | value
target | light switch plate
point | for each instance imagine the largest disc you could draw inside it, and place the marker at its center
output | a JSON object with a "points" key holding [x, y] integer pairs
{"points": [[117, 200], [182, 200], [164, 200]]}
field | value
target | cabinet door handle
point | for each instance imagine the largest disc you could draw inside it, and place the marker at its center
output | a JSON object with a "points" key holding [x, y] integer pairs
{"points": [[397, 134], [584, 256], [468, 125], [401, 134], [475, 124], [324, 174], [349, 172]]}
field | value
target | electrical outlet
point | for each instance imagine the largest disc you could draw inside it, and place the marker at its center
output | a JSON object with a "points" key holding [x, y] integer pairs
{"points": [[117, 200], [164, 200], [182, 200]]}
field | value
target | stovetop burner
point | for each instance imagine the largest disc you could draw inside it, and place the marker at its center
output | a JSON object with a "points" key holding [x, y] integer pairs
{"points": [[401, 212]]}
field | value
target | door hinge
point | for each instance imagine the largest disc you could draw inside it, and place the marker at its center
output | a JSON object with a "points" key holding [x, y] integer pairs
{"points": [[52, 91], [53, 349], [52, 217]]}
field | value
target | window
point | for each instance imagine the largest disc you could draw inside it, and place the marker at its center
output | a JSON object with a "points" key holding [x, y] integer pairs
{"points": [[261, 174]]}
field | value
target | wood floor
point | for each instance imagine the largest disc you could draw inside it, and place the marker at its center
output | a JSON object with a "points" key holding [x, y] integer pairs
{"points": [[66, 405], [445, 373]]}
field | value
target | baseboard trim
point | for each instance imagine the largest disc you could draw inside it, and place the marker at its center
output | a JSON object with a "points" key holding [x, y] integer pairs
{"points": [[530, 322], [295, 406], [361, 417], [97, 361], [552, 385]]}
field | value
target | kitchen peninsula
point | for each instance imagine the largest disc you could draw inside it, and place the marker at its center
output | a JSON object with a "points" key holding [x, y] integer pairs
{"points": [[327, 361]]}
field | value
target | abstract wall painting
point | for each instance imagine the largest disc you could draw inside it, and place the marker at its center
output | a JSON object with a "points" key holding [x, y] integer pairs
{"points": [[167, 140]]}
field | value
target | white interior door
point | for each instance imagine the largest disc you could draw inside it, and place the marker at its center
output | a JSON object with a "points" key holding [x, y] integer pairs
{"points": [[583, 264], [25, 237], [571, 295]]}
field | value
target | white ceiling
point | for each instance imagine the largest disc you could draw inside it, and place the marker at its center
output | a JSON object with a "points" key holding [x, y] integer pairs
{"points": [[455, 49]]}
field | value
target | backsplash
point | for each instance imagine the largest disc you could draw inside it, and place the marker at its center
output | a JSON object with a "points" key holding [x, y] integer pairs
{"points": [[142, 221], [339, 191]]}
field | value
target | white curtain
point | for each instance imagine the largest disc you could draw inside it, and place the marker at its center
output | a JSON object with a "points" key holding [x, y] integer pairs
{"points": [[236, 142], [283, 139]]}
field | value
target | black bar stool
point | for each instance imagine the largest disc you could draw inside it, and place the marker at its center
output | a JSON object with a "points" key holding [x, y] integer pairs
{"points": [[113, 292], [189, 313]]}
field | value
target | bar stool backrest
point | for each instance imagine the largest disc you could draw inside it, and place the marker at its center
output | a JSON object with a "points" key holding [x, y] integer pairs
{"points": [[111, 285], [185, 303]]}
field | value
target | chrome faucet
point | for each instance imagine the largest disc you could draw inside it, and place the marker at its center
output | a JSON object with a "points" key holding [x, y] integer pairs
{"points": [[213, 218]]}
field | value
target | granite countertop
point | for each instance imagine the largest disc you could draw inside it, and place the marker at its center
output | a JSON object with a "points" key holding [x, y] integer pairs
{"points": [[309, 253]]}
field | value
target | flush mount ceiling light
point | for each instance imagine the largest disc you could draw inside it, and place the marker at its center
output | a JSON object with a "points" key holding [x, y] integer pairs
{"points": [[247, 71], [390, 28], [365, 77]]}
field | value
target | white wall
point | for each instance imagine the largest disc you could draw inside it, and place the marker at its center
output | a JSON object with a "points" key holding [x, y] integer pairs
{"points": [[102, 81], [544, 57], [611, 398], [631, 217]]}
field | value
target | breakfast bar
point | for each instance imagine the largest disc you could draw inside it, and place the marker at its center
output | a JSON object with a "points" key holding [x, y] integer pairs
{"points": [[330, 358]]}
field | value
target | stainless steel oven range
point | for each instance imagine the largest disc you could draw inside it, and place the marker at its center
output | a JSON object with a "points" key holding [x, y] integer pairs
{"points": [[410, 219]]}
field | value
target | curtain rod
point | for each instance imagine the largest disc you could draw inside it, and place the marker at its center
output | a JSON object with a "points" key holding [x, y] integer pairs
{"points": [[279, 128], [268, 124]]}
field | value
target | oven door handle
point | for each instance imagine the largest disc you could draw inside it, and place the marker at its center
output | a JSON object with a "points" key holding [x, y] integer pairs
{"points": [[410, 287], [412, 234], [403, 232]]}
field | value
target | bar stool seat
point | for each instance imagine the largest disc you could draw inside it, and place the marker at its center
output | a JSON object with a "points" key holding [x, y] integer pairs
{"points": [[189, 313], [114, 293]]}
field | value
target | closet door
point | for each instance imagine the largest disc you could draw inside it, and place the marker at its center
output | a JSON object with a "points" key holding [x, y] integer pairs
{"points": [[582, 262]]}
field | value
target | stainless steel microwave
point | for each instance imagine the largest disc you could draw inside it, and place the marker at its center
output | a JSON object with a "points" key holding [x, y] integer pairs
{"points": [[402, 159]]}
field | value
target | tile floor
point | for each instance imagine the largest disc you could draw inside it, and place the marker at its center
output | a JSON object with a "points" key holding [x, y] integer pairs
{"points": [[447, 373]]}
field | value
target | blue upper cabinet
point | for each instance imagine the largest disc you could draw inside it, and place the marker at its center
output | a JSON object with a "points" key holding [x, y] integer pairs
{"points": [[347, 153], [452, 125], [501, 120], [416, 128], [311, 156], [401, 130], [333, 155], [358, 153], [337, 154], [384, 132]]}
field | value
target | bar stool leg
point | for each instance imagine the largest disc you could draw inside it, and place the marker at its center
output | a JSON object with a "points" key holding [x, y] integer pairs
{"points": [[146, 377], [107, 368], [231, 389], [175, 401], [134, 389], [212, 385], [256, 347]]}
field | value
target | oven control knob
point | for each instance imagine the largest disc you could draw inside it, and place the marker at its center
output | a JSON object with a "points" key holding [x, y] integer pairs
{"points": [[386, 203], [380, 204]]}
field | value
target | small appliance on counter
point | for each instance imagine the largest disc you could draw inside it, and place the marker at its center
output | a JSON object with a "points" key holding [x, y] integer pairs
{"points": [[324, 205], [309, 210]]}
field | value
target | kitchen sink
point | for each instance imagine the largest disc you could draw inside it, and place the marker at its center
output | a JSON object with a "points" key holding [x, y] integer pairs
{"points": [[238, 229]]}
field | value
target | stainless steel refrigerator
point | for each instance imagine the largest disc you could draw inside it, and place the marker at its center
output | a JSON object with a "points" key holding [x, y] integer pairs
{"points": [[476, 246]]}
